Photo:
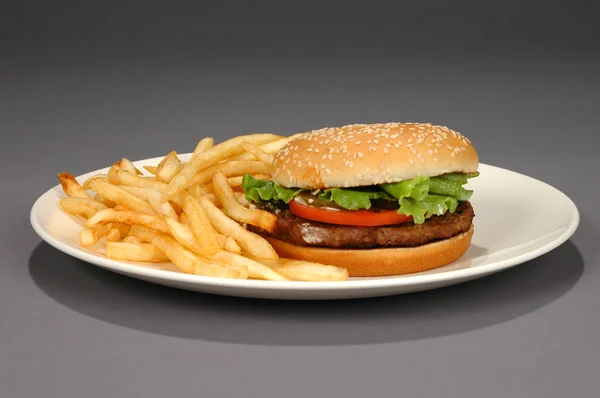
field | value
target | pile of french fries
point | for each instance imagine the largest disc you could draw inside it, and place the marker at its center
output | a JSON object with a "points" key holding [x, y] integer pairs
{"points": [[192, 214]]}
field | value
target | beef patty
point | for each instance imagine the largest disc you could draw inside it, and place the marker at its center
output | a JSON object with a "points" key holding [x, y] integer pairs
{"points": [[302, 232]]}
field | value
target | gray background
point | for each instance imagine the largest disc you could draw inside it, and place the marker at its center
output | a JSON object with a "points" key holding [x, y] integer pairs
{"points": [[82, 85]]}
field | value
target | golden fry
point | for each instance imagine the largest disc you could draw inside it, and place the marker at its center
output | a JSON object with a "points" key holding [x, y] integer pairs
{"points": [[203, 145], [201, 226], [262, 156], [168, 167], [134, 251], [113, 173], [255, 269], [252, 243], [231, 245], [150, 169], [235, 210], [128, 217], [132, 180], [114, 235], [119, 195], [270, 147], [300, 270], [101, 199], [132, 239], [186, 237], [78, 206], [211, 157], [128, 165], [231, 169], [71, 187], [89, 236], [181, 257]]}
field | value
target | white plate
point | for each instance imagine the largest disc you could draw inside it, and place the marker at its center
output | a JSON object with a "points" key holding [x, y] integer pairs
{"points": [[512, 226]]}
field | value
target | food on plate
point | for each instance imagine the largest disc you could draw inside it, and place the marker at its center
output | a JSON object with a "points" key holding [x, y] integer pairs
{"points": [[375, 199], [191, 213]]}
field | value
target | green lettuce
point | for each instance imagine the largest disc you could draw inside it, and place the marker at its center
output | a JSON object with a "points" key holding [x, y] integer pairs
{"points": [[352, 199], [257, 190], [421, 197]]}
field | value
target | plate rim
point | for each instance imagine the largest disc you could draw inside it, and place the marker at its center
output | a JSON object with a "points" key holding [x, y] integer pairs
{"points": [[134, 271]]}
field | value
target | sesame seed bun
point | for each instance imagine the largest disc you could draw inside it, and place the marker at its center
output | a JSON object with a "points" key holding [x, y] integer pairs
{"points": [[382, 261], [369, 154]]}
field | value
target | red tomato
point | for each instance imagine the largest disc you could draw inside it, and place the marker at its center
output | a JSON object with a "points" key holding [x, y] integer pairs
{"points": [[364, 218]]}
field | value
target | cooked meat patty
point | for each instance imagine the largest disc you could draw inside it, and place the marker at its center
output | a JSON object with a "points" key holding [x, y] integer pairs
{"points": [[303, 232]]}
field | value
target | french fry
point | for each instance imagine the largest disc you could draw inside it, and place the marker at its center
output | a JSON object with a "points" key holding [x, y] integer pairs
{"points": [[128, 217], [147, 193], [101, 199], [186, 237], [132, 239], [134, 250], [300, 270], [184, 219], [181, 257], [235, 210], [166, 209], [199, 189], [211, 157], [262, 156], [231, 169], [78, 206], [150, 169], [113, 173], [168, 167], [241, 198], [132, 180], [203, 145], [128, 165], [90, 236], [119, 196], [201, 226], [252, 243], [71, 187], [269, 147], [231, 245], [113, 235], [123, 229], [255, 269]]}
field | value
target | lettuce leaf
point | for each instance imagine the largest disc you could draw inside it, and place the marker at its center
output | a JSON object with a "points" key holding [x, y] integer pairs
{"points": [[430, 205], [256, 190], [353, 199], [421, 197]]}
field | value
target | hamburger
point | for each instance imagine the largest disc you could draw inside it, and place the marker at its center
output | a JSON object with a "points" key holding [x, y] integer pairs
{"points": [[377, 199]]}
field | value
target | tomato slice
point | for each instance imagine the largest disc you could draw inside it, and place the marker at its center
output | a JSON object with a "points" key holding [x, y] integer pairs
{"points": [[363, 218]]}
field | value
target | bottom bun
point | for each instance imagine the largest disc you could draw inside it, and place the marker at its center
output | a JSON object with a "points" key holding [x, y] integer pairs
{"points": [[383, 261]]}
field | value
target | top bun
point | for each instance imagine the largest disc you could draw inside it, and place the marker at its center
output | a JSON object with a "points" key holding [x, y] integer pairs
{"points": [[369, 154]]}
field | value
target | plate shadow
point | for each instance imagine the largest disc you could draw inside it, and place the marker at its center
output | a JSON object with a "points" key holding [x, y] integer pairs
{"points": [[143, 306]]}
